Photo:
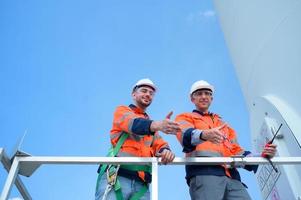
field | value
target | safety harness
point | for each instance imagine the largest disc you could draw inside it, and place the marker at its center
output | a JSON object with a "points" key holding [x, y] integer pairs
{"points": [[111, 171]]}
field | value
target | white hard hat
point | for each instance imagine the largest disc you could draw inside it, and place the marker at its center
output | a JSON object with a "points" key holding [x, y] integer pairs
{"points": [[146, 82], [201, 85]]}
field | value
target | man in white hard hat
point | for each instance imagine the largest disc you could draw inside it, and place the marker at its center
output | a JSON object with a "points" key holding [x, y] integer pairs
{"points": [[204, 134], [134, 134]]}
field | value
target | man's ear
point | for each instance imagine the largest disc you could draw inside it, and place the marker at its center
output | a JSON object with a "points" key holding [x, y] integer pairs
{"points": [[133, 94], [191, 98]]}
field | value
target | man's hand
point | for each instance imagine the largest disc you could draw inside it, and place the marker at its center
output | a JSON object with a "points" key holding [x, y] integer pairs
{"points": [[167, 156], [213, 135], [166, 126], [269, 151]]}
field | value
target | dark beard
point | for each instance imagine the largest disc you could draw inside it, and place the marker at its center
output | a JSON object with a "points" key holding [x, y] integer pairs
{"points": [[143, 105]]}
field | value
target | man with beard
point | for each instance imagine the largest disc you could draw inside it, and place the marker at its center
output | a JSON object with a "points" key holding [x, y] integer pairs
{"points": [[134, 135], [204, 134]]}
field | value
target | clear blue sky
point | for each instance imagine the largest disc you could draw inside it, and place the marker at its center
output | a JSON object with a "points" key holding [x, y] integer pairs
{"points": [[65, 65]]}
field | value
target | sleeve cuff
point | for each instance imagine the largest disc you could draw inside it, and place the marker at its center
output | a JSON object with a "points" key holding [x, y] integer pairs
{"points": [[142, 126], [187, 141], [161, 150], [196, 137]]}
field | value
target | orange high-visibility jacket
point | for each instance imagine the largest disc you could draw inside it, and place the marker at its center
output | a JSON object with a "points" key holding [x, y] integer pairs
{"points": [[190, 121], [191, 125], [141, 141]]}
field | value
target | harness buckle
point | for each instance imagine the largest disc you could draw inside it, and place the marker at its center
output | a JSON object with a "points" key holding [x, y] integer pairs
{"points": [[112, 171]]}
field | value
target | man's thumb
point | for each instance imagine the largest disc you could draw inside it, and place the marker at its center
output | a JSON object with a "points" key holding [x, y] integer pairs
{"points": [[169, 115]]}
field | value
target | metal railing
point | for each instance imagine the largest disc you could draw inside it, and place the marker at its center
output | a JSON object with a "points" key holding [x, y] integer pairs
{"points": [[26, 162]]}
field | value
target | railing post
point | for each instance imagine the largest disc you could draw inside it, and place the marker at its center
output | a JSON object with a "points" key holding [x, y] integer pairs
{"points": [[155, 179], [10, 179]]}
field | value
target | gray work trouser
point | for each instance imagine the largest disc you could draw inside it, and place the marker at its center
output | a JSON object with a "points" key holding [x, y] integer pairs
{"points": [[209, 187]]}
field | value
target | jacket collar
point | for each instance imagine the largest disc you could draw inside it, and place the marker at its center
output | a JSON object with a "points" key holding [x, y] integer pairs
{"points": [[137, 109], [203, 113]]}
